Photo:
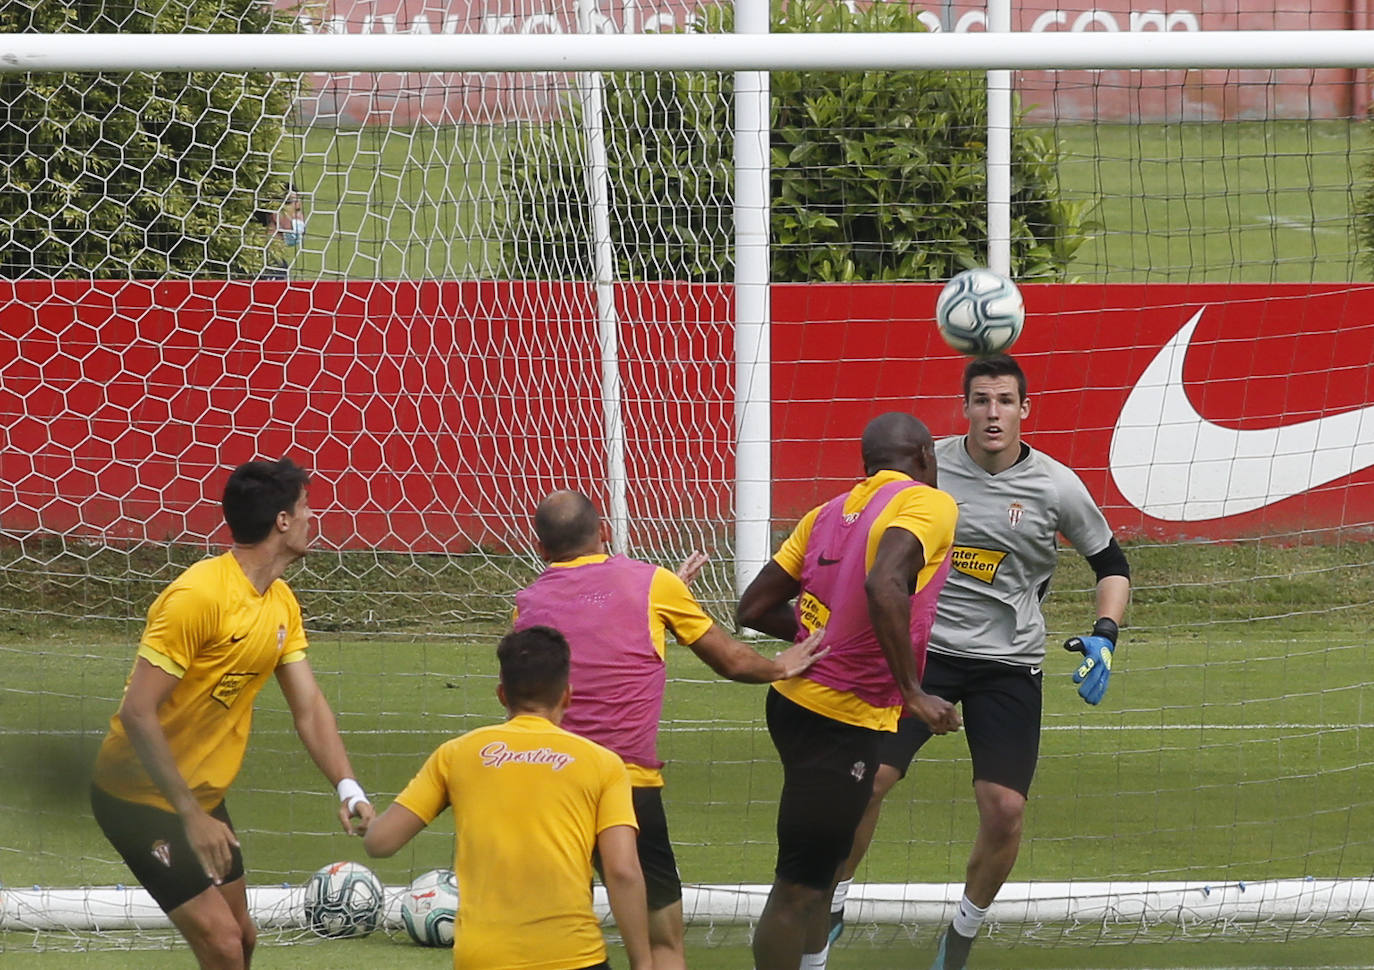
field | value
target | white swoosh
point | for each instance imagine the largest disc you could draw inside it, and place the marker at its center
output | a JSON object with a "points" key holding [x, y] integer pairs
{"points": [[1172, 463]]}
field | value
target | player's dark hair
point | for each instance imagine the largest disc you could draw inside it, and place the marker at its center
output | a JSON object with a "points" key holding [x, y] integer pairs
{"points": [[566, 522], [995, 365], [534, 666], [257, 492]]}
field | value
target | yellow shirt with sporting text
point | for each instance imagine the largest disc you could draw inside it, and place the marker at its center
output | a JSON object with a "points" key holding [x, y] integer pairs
{"points": [[529, 800]]}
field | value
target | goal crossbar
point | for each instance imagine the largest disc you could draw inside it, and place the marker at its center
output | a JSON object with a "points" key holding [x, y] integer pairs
{"points": [[1275, 49]]}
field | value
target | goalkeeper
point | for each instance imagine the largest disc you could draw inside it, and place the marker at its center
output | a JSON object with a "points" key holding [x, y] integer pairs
{"points": [[988, 640]]}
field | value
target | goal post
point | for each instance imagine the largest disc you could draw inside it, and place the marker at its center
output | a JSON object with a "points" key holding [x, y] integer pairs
{"points": [[505, 282]]}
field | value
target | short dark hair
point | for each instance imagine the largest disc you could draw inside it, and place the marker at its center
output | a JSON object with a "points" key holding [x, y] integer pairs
{"points": [[257, 492], [994, 365], [565, 523], [534, 666]]}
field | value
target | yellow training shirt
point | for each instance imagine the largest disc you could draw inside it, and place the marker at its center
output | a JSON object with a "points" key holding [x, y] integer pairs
{"points": [[212, 630], [529, 800], [927, 513]]}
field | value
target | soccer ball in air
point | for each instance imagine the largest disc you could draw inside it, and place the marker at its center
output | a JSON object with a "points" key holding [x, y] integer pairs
{"points": [[980, 312], [343, 899], [430, 907]]}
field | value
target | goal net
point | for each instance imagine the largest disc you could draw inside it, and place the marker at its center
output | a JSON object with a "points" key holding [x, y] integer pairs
{"points": [[449, 291]]}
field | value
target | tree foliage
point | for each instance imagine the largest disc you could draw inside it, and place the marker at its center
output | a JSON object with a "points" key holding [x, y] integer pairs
{"points": [[146, 174], [876, 175]]}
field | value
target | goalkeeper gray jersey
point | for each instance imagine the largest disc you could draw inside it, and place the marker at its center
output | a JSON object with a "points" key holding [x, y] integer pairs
{"points": [[1005, 551]]}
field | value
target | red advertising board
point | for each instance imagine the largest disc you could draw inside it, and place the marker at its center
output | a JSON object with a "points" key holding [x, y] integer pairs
{"points": [[436, 414]]}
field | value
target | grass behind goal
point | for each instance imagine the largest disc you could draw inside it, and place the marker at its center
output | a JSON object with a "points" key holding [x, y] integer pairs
{"points": [[1185, 202]]}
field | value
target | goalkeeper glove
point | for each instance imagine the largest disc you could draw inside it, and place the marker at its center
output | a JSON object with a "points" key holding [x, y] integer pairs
{"points": [[1095, 671]]}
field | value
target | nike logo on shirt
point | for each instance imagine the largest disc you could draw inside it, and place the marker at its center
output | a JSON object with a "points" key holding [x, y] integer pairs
{"points": [[1172, 463]]}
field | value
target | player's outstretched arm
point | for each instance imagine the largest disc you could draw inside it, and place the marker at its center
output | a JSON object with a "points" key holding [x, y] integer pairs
{"points": [[738, 661], [319, 732], [209, 838], [692, 566], [625, 891], [391, 830]]}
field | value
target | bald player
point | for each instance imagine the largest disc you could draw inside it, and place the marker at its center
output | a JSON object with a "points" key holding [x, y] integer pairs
{"points": [[866, 567]]}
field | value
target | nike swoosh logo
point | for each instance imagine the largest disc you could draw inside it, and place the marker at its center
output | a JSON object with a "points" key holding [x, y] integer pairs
{"points": [[1172, 463], [236, 639], [822, 561]]}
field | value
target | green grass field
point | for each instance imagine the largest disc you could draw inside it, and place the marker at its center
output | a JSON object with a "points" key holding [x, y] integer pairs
{"points": [[1190, 202], [1234, 745]]}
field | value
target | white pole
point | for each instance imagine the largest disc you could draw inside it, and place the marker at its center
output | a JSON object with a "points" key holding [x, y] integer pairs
{"points": [[753, 351], [607, 321], [999, 149], [1066, 50]]}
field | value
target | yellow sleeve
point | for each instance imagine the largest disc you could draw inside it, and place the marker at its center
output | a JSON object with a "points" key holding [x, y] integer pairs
{"points": [[180, 622], [616, 806], [675, 605], [427, 793], [792, 554], [930, 515]]}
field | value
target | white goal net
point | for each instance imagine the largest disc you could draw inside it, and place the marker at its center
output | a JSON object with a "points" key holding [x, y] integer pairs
{"points": [[447, 291]]}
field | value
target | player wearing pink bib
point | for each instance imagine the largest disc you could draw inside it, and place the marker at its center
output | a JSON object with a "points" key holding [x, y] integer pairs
{"points": [[616, 613], [867, 567]]}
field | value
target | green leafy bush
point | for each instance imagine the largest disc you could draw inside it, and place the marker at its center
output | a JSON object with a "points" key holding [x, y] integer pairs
{"points": [[877, 175], [139, 175]]}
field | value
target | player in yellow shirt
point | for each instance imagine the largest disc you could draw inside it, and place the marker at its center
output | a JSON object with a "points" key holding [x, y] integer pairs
{"points": [[212, 639], [530, 802]]}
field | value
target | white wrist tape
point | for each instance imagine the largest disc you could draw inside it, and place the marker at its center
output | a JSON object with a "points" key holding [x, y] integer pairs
{"points": [[351, 793]]}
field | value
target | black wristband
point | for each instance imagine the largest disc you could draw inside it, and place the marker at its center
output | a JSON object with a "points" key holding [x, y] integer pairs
{"points": [[1106, 627]]}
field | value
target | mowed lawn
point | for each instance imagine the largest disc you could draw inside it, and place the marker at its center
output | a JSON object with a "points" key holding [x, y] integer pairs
{"points": [[1188, 202], [1234, 745]]}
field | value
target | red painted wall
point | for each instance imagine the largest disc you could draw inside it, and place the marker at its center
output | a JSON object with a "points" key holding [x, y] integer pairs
{"points": [[436, 414]]}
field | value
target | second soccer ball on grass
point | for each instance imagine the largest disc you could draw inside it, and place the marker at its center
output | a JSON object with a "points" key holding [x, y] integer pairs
{"points": [[430, 908], [980, 312]]}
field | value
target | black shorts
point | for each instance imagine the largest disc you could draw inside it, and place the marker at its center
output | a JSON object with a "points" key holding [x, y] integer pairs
{"points": [[1001, 706], [827, 780], [662, 883], [154, 847]]}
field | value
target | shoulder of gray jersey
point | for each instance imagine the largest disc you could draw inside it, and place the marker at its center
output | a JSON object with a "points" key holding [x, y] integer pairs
{"points": [[1080, 518]]}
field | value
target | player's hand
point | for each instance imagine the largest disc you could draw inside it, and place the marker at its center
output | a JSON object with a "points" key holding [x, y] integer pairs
{"points": [[939, 715], [692, 565], [800, 657], [1095, 671], [213, 843], [362, 811]]}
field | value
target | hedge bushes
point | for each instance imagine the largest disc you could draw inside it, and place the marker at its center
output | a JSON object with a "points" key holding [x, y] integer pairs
{"points": [[878, 175]]}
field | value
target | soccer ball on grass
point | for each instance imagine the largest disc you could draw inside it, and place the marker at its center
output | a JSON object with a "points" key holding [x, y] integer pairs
{"points": [[343, 899], [430, 907], [980, 312]]}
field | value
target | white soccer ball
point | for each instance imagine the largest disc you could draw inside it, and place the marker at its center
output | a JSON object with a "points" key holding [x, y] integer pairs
{"points": [[980, 312], [343, 899], [430, 907]]}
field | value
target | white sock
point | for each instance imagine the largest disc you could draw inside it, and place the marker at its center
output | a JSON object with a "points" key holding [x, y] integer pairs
{"points": [[841, 894], [969, 918], [815, 961]]}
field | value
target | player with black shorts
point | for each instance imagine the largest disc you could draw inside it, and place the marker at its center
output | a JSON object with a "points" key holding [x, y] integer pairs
{"points": [[988, 639], [865, 568], [616, 613], [214, 637]]}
